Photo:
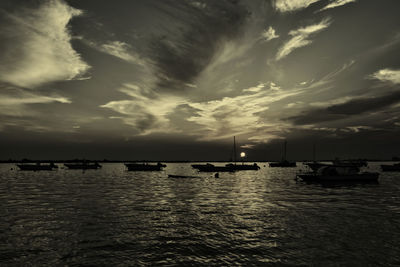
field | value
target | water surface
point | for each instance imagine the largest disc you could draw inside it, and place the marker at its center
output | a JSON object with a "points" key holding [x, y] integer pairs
{"points": [[117, 218]]}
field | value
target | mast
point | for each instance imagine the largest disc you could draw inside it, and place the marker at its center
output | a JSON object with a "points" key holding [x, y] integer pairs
{"points": [[234, 149], [314, 154], [284, 150]]}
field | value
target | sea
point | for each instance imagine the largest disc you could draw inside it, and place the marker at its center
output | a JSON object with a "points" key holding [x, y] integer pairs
{"points": [[112, 217]]}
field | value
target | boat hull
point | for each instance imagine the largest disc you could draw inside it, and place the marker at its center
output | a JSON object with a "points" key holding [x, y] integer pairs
{"points": [[283, 164], [143, 167], [23, 167], [243, 167]]}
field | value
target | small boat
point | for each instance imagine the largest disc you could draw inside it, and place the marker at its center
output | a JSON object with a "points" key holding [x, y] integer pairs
{"points": [[339, 174], [283, 163], [241, 167], [144, 166], [181, 176], [83, 166], [37, 167], [316, 165], [212, 168], [391, 168]]}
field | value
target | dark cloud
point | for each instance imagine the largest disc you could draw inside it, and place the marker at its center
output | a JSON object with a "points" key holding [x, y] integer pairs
{"points": [[183, 52], [343, 111]]}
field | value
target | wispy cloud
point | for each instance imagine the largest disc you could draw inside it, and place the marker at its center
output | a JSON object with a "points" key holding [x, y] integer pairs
{"points": [[240, 115], [146, 110], [118, 49], [337, 3], [300, 38], [14, 101], [387, 75], [269, 34], [292, 5], [36, 46]]}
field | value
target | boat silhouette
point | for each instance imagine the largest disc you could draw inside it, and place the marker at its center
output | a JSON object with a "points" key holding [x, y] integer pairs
{"points": [[335, 173], [284, 163], [241, 167], [83, 166], [145, 166], [37, 167]]}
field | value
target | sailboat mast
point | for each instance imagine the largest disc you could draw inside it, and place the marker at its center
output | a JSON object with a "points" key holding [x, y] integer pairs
{"points": [[284, 150], [234, 149], [314, 157]]}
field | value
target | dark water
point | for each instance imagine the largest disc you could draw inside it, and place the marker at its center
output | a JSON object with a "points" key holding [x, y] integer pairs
{"points": [[111, 217]]}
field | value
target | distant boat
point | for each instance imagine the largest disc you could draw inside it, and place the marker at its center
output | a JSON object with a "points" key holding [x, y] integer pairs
{"points": [[144, 166], [339, 174], [83, 166], [37, 167], [212, 168], [283, 163], [391, 168], [241, 167]]}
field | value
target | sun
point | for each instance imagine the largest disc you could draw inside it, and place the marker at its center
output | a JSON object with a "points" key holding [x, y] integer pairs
{"points": [[242, 154]]}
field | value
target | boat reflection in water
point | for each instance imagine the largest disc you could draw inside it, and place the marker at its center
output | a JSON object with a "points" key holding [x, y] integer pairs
{"points": [[145, 166]]}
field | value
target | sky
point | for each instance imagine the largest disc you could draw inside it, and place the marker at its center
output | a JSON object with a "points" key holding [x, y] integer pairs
{"points": [[177, 79]]}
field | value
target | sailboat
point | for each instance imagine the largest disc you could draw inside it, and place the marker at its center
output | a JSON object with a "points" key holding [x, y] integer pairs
{"points": [[241, 167], [283, 163]]}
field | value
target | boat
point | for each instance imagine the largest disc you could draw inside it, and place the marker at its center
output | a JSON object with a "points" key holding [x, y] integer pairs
{"points": [[338, 174], [212, 168], [391, 168], [37, 167], [284, 163], [241, 167], [144, 166], [83, 166], [316, 165]]}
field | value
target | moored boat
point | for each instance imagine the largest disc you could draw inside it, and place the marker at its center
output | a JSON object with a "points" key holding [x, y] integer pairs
{"points": [[284, 163], [37, 167], [144, 166], [212, 168], [83, 166], [339, 174]]}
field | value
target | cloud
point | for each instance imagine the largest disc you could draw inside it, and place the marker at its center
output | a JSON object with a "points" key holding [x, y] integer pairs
{"points": [[14, 101], [118, 49], [343, 111], [146, 111], [180, 55], [387, 75], [337, 3], [300, 38], [242, 114], [292, 5], [269, 34], [36, 46]]}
